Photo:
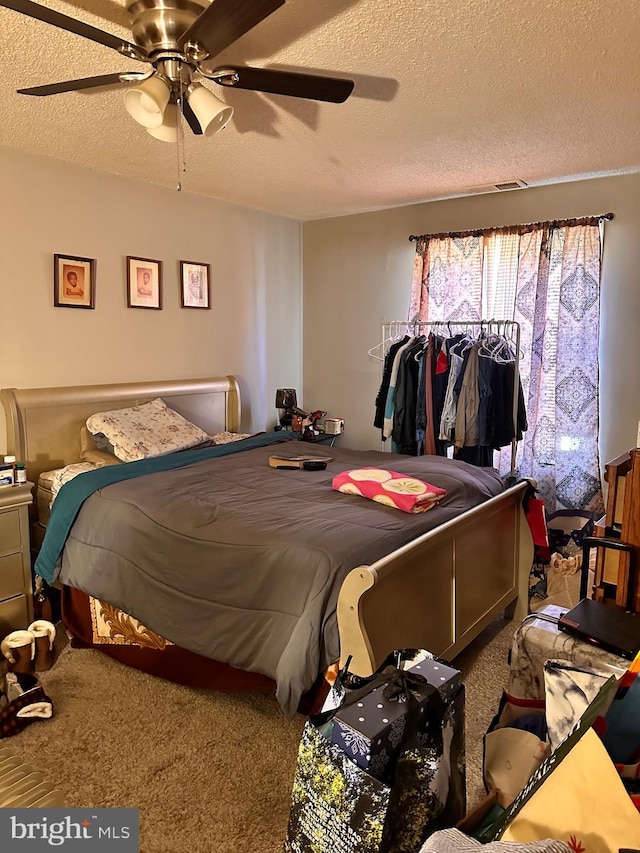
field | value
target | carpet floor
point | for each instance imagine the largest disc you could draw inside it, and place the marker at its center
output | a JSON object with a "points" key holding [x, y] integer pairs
{"points": [[209, 772]]}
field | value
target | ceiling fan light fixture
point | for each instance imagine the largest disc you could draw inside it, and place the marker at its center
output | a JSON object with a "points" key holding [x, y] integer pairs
{"points": [[212, 113], [147, 102], [168, 130]]}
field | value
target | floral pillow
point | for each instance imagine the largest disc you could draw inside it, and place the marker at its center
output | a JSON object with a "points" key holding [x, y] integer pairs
{"points": [[140, 432], [226, 437]]}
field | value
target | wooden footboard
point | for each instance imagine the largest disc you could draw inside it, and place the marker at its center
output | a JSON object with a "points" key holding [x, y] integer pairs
{"points": [[440, 591]]}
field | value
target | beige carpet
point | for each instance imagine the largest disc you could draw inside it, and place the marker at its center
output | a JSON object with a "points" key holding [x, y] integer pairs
{"points": [[210, 772]]}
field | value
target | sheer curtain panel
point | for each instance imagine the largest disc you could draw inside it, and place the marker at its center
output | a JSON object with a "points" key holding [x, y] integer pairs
{"points": [[547, 278]]}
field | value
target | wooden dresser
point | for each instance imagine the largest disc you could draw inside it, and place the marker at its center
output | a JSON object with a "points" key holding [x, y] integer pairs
{"points": [[617, 571], [16, 590]]}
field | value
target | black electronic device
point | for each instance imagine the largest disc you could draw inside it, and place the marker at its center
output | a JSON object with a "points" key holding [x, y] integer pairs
{"points": [[605, 625], [287, 403], [314, 465]]}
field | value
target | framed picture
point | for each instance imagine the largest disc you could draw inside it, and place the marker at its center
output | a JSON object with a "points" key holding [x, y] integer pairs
{"points": [[195, 287], [144, 283], [74, 282]]}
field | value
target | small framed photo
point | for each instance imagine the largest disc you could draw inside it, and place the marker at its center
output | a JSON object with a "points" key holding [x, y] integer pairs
{"points": [[144, 283], [195, 287], [74, 282]]}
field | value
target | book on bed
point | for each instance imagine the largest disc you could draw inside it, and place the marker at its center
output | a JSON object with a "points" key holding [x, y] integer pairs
{"points": [[291, 460]]}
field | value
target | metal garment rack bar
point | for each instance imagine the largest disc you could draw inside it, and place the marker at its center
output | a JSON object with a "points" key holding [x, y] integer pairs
{"points": [[393, 329]]}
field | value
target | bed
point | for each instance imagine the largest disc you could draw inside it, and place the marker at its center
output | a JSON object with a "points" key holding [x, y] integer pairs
{"points": [[446, 574]]}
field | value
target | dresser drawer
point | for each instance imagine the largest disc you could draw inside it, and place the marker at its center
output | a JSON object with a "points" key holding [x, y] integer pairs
{"points": [[10, 539], [11, 575], [14, 614]]}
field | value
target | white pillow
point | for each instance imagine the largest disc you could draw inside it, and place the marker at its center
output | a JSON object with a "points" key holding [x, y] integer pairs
{"points": [[152, 429]]}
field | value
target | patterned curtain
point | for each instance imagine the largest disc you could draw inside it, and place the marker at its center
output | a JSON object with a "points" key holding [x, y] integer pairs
{"points": [[548, 280]]}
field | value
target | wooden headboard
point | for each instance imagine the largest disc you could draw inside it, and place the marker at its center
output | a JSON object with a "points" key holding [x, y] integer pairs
{"points": [[43, 424]]}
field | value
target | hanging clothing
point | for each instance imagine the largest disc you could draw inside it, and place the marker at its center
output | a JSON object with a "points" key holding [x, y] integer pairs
{"points": [[502, 419], [381, 399], [421, 404], [405, 398], [430, 435], [440, 380], [456, 391], [448, 419], [387, 428], [466, 430]]}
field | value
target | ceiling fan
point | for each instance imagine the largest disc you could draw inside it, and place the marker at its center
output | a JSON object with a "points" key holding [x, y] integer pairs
{"points": [[175, 37]]}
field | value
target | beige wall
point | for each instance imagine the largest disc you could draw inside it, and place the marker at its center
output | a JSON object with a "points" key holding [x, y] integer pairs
{"points": [[357, 275], [253, 329]]}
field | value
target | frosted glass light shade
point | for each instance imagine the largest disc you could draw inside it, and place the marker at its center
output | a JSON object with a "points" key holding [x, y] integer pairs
{"points": [[168, 130], [212, 113], [147, 102]]}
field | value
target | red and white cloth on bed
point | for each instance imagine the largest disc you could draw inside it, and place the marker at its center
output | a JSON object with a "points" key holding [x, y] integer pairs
{"points": [[389, 488]]}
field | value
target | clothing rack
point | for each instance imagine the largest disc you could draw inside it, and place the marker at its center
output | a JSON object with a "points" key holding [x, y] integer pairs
{"points": [[393, 329]]}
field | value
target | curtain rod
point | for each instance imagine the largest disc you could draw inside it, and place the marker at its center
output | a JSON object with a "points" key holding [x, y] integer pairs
{"points": [[477, 232]]}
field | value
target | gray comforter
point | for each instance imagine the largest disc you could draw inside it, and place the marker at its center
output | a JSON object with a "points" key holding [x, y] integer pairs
{"points": [[242, 562]]}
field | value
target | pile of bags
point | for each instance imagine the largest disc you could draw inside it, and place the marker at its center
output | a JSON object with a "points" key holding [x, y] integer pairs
{"points": [[382, 767], [568, 769]]}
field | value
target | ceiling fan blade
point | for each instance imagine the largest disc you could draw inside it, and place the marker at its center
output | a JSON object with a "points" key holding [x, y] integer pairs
{"points": [[333, 89], [83, 83], [64, 22], [190, 117], [224, 21]]}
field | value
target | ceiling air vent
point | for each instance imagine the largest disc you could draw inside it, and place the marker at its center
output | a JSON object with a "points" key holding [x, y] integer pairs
{"points": [[510, 185], [501, 187]]}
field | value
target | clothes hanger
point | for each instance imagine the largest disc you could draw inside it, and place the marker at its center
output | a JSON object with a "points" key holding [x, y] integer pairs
{"points": [[461, 346], [396, 332], [497, 347]]}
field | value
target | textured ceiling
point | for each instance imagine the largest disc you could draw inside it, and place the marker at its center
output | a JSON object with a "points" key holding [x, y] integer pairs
{"points": [[448, 96]]}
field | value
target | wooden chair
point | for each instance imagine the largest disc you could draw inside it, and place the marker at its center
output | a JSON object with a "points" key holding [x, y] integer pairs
{"points": [[617, 537]]}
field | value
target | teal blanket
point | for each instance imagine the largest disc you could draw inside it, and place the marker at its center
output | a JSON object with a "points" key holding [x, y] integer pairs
{"points": [[74, 493]]}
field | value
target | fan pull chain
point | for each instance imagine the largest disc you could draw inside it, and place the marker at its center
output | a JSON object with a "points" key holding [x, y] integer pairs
{"points": [[180, 160], [184, 156], [178, 135], [179, 182]]}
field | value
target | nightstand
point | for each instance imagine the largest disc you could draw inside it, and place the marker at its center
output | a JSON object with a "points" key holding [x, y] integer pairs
{"points": [[16, 591]]}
